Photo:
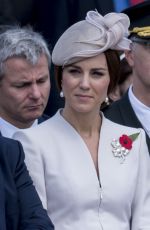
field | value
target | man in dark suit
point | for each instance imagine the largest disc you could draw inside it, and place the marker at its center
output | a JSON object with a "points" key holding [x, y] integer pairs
{"points": [[24, 78], [134, 108], [20, 206]]}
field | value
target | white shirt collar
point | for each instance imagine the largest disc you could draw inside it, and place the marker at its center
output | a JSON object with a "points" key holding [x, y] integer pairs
{"points": [[142, 111], [8, 130]]}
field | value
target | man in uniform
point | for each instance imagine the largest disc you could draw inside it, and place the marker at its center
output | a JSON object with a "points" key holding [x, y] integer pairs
{"points": [[133, 109]]}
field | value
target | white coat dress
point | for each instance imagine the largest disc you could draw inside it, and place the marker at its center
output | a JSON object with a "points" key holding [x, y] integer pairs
{"points": [[65, 177]]}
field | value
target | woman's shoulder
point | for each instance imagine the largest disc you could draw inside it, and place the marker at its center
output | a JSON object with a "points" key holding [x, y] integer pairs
{"points": [[42, 130], [115, 126]]}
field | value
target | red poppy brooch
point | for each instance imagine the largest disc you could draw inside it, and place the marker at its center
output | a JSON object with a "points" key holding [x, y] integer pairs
{"points": [[122, 147]]}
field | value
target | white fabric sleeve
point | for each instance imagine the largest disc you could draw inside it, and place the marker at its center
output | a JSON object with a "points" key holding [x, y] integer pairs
{"points": [[141, 203], [34, 162]]}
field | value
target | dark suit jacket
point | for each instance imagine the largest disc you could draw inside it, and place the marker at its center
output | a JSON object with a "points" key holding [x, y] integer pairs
{"points": [[122, 112], [20, 206]]}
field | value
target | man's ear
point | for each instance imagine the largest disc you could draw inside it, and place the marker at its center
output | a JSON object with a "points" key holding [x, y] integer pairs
{"points": [[115, 94], [129, 57]]}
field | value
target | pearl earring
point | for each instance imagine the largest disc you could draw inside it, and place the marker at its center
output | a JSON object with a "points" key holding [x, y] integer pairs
{"points": [[61, 94], [107, 101]]}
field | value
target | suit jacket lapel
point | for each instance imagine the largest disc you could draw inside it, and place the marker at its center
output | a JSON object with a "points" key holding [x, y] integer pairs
{"points": [[129, 117]]}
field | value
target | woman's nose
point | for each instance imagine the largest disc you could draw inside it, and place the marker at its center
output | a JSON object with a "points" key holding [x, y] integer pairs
{"points": [[85, 82]]}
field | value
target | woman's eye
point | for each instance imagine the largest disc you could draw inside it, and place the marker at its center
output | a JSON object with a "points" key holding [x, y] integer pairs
{"points": [[97, 74], [74, 71]]}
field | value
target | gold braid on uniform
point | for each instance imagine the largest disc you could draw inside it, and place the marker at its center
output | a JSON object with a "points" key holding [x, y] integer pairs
{"points": [[141, 31]]}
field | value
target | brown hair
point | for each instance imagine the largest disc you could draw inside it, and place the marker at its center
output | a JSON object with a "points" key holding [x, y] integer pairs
{"points": [[58, 76], [113, 62]]}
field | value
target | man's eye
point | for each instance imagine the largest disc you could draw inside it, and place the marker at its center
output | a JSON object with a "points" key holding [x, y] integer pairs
{"points": [[42, 81], [21, 85]]}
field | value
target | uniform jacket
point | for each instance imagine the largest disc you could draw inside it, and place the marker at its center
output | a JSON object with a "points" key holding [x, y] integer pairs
{"points": [[66, 180], [20, 207], [122, 112]]}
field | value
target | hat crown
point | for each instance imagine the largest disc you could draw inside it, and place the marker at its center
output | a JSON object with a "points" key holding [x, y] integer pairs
{"points": [[91, 37]]}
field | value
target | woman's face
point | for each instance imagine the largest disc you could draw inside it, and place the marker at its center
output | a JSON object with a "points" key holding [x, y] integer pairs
{"points": [[85, 84]]}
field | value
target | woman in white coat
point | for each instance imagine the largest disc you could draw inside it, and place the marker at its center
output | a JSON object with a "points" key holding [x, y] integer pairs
{"points": [[90, 173]]}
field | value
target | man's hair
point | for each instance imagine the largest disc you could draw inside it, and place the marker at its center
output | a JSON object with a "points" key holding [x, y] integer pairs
{"points": [[21, 42]]}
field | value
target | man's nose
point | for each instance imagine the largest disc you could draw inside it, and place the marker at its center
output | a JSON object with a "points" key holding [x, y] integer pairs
{"points": [[35, 92]]}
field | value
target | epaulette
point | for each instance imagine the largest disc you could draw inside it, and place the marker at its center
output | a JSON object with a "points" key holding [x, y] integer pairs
{"points": [[143, 32]]}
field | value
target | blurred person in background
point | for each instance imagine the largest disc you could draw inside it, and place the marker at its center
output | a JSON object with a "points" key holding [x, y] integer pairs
{"points": [[124, 81]]}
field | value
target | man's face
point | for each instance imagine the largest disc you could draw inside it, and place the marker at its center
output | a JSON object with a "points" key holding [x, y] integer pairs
{"points": [[139, 59], [24, 91]]}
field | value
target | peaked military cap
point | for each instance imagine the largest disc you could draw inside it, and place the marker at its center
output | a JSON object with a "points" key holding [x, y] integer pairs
{"points": [[139, 22]]}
